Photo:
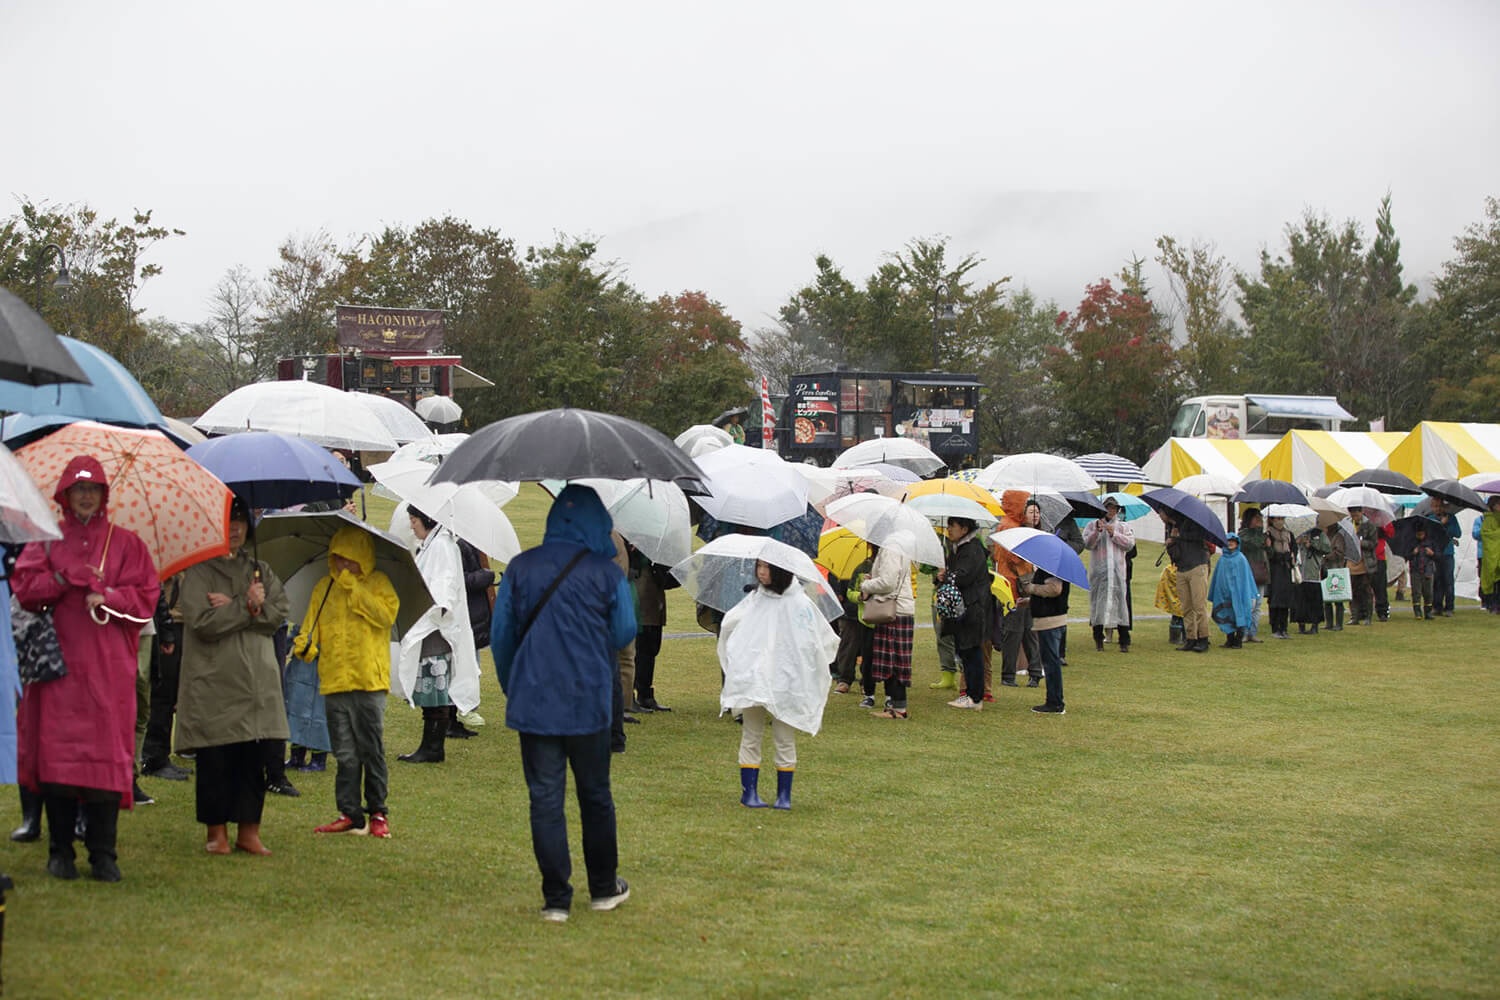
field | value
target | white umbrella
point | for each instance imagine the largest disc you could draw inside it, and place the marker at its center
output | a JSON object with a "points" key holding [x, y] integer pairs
{"points": [[1033, 471], [901, 452], [403, 425], [651, 514], [431, 450], [325, 416], [1377, 505], [439, 409], [827, 485], [1287, 510], [752, 487], [402, 479], [25, 515], [879, 519], [1208, 484], [720, 573], [471, 511], [938, 507], [700, 439]]}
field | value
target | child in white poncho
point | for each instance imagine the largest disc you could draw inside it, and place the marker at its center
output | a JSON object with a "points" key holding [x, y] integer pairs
{"points": [[775, 648]]}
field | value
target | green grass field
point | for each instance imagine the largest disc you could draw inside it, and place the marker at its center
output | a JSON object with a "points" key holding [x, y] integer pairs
{"points": [[1318, 818]]}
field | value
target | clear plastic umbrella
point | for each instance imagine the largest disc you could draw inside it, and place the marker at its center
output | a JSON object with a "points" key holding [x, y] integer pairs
{"points": [[901, 452], [938, 507], [882, 521], [1034, 471], [401, 479], [325, 416], [403, 425], [700, 439], [722, 572], [431, 450], [826, 485], [751, 487], [469, 510], [25, 515], [439, 409], [1377, 505], [650, 514]]}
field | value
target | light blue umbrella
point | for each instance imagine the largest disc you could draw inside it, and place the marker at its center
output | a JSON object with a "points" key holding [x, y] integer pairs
{"points": [[1131, 507], [115, 397]]}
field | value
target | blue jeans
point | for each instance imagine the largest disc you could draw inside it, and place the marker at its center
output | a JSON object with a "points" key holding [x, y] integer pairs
{"points": [[1442, 587], [1050, 641], [545, 761], [1254, 628]]}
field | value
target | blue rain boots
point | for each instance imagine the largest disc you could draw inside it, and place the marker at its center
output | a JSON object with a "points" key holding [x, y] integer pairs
{"points": [[749, 792], [784, 789]]}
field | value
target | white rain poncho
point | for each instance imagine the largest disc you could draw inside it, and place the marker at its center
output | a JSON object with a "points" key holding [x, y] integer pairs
{"points": [[442, 568], [775, 650]]}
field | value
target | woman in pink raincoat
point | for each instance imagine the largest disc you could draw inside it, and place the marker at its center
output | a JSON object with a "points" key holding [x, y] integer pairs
{"points": [[76, 734]]}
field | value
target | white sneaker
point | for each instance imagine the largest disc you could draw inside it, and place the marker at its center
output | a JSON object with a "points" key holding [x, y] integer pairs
{"points": [[964, 701], [471, 719], [555, 916], [622, 893]]}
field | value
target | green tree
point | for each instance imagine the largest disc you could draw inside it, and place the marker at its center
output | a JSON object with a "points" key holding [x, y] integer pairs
{"points": [[1461, 352], [299, 294], [1200, 279], [1018, 411]]}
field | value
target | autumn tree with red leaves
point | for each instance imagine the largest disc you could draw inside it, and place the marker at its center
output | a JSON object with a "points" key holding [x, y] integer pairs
{"points": [[1114, 375]]}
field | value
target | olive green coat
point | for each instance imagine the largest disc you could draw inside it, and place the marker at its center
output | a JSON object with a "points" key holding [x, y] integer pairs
{"points": [[230, 687]]}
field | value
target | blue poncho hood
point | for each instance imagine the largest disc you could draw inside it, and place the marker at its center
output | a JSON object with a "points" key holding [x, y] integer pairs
{"points": [[578, 516]]}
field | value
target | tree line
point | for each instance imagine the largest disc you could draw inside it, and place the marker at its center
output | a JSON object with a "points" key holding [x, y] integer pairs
{"points": [[1327, 312]]}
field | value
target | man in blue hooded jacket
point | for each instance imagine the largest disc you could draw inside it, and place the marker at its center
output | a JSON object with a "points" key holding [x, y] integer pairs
{"points": [[562, 613]]}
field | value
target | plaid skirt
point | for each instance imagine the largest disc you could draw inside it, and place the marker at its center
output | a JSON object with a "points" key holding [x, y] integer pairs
{"points": [[892, 652]]}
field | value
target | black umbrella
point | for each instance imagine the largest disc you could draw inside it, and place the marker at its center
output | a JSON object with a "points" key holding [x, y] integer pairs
{"points": [[1451, 491], [1188, 506], [1084, 504], [1404, 540], [1384, 480], [570, 444], [30, 352], [727, 415], [1264, 491]]}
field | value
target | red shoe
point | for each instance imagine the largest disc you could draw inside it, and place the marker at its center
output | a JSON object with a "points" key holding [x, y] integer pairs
{"points": [[379, 827], [988, 696], [344, 825]]}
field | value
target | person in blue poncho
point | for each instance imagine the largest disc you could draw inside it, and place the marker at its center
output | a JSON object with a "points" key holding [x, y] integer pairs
{"points": [[1232, 593], [563, 612]]}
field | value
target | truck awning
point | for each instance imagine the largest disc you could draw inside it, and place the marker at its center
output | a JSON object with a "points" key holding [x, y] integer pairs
{"points": [[1307, 407], [461, 378], [958, 381]]}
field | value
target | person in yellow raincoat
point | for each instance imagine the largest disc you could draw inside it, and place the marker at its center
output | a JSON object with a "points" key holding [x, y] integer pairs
{"points": [[347, 626], [1169, 600]]}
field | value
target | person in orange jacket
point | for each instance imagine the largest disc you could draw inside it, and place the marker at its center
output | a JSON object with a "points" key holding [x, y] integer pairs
{"points": [[1015, 630]]}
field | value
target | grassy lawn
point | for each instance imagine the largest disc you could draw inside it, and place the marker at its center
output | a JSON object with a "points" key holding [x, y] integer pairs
{"points": [[1319, 817]]}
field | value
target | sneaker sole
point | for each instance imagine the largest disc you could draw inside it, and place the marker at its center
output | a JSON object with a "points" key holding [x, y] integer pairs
{"points": [[609, 902], [555, 916]]}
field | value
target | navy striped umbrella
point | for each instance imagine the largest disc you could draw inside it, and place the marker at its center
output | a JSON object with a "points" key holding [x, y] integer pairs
{"points": [[1109, 468]]}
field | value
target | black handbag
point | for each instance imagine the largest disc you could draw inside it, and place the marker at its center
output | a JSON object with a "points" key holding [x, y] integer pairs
{"points": [[38, 651]]}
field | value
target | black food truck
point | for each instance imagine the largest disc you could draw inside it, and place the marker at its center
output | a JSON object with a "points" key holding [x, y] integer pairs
{"points": [[826, 412]]}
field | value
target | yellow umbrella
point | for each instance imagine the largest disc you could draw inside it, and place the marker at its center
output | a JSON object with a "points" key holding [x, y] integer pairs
{"points": [[840, 551], [957, 488]]}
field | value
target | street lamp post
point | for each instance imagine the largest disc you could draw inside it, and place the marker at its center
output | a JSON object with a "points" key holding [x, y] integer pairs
{"points": [[63, 281], [941, 309]]}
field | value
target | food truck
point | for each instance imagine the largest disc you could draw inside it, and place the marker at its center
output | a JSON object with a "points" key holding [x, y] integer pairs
{"points": [[825, 412]]}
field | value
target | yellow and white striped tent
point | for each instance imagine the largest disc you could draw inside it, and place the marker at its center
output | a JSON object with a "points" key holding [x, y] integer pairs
{"points": [[1183, 457], [1438, 450], [1314, 458]]}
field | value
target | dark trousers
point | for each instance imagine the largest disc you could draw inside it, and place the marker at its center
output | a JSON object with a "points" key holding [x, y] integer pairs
{"points": [[545, 761], [1015, 634], [647, 647], [1380, 585], [157, 744], [1442, 587], [973, 661], [856, 642], [1049, 642], [1123, 632], [231, 783], [100, 807], [1280, 617], [1333, 614], [356, 728], [1362, 598], [273, 760], [617, 714]]}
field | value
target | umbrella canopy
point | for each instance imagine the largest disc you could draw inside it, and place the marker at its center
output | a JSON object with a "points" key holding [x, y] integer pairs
{"points": [[751, 486], [1131, 507], [1208, 484], [439, 409], [322, 415], [653, 516], [31, 353], [700, 439], [720, 573], [570, 444], [402, 479], [938, 507], [295, 546], [1404, 539], [402, 424], [1451, 491], [1384, 480], [1287, 510], [467, 511], [271, 471], [1055, 508], [176, 506], [878, 520], [840, 551], [1109, 468], [1033, 471], [1376, 505], [1087, 505], [1188, 506], [730, 414], [826, 485], [431, 450], [1264, 491], [182, 432], [25, 514], [1045, 550], [903, 453], [956, 488], [1351, 538], [1482, 482], [112, 395]]}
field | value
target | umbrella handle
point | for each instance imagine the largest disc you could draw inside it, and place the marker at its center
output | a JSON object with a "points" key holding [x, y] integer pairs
{"points": [[101, 614]]}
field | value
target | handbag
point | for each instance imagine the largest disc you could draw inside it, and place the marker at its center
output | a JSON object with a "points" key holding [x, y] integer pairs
{"points": [[949, 600], [879, 609], [38, 651]]}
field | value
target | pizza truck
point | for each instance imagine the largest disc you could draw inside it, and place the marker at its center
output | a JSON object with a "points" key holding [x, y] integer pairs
{"points": [[826, 412]]}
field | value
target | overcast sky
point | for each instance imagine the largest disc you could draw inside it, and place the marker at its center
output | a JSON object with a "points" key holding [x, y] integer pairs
{"points": [[721, 147]]}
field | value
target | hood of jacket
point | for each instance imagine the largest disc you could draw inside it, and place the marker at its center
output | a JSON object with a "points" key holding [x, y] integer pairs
{"points": [[81, 469], [578, 517], [354, 544], [1013, 503]]}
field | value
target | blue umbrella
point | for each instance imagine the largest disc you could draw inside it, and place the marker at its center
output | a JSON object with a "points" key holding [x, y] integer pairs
{"points": [[1264, 491], [1188, 506], [115, 397], [1046, 551], [20, 429], [274, 471]]}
